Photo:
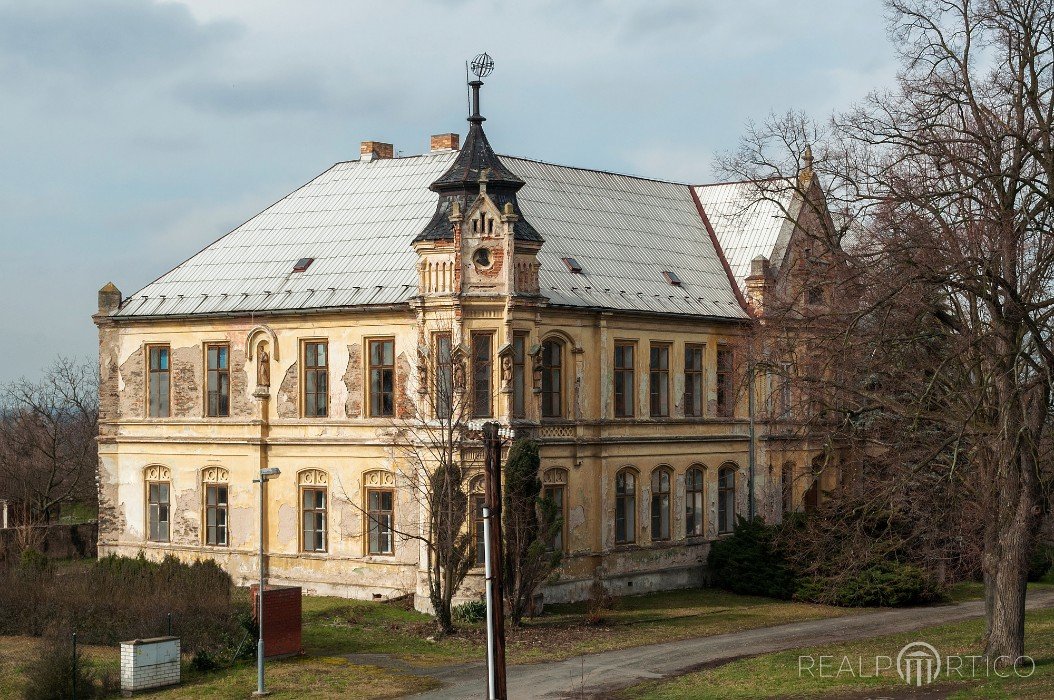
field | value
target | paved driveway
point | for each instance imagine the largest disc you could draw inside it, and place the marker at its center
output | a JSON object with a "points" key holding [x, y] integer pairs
{"points": [[593, 674]]}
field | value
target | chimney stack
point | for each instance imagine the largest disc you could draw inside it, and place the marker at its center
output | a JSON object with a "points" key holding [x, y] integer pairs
{"points": [[445, 142], [375, 150], [109, 299]]}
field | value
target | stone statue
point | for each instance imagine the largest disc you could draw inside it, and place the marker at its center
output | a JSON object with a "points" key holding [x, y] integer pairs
{"points": [[506, 372], [459, 376], [263, 369]]}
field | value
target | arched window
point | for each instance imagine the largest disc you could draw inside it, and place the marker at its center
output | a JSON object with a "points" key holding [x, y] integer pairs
{"points": [[314, 499], [158, 502], [554, 490], [726, 499], [380, 512], [693, 502], [476, 501], [787, 486], [625, 507], [660, 504], [552, 378], [214, 485]]}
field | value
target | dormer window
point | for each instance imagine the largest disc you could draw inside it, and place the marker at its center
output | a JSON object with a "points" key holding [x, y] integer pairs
{"points": [[302, 264], [671, 278], [572, 265]]}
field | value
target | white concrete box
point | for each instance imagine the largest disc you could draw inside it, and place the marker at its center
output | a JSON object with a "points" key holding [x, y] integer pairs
{"points": [[149, 663]]}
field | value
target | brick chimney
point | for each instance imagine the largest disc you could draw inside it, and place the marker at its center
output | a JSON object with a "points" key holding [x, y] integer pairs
{"points": [[375, 150], [445, 142]]}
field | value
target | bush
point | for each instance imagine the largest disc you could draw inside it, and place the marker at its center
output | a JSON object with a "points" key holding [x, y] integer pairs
{"points": [[749, 562], [51, 675], [120, 598], [882, 584], [471, 612], [1039, 564]]}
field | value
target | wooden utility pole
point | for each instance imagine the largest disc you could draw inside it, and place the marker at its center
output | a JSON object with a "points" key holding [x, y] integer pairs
{"points": [[492, 501]]}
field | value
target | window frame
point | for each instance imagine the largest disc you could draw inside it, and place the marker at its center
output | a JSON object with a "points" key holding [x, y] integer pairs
{"points": [[222, 373], [554, 396], [695, 381], [443, 375], [624, 375], [218, 507], [314, 371], [150, 510], [482, 370], [624, 496], [787, 487], [667, 509], [552, 482], [664, 385], [519, 374], [166, 410], [324, 510], [476, 501], [695, 500], [382, 368], [726, 496], [724, 376], [372, 522]]}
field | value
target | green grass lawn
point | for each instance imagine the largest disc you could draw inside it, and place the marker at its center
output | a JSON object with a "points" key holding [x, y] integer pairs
{"points": [[777, 675]]}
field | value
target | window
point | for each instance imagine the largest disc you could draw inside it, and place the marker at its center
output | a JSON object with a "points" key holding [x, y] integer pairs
{"points": [[519, 374], [216, 514], [313, 519], [381, 513], [160, 381], [218, 381], [693, 380], [552, 360], [625, 507], [659, 380], [481, 374], [382, 378], [725, 398], [787, 487], [660, 504], [444, 382], [726, 499], [814, 295], [624, 399], [693, 502], [554, 485], [316, 379], [158, 505], [785, 390], [477, 527]]}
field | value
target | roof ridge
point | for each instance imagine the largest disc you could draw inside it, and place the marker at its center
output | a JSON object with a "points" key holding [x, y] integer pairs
{"points": [[598, 170]]}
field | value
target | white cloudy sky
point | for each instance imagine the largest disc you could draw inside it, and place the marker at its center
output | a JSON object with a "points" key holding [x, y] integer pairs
{"points": [[133, 132]]}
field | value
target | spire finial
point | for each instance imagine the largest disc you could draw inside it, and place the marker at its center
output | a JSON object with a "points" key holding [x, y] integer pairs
{"points": [[807, 157], [482, 66]]}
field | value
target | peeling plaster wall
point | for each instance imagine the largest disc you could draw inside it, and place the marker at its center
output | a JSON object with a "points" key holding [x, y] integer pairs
{"points": [[349, 444], [288, 396], [353, 382]]}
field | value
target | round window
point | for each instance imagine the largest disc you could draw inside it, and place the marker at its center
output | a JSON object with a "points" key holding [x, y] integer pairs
{"points": [[482, 257]]}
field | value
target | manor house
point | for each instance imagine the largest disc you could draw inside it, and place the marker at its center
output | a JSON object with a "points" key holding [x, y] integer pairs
{"points": [[599, 313]]}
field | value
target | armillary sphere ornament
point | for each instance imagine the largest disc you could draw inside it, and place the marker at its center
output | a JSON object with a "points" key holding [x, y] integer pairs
{"points": [[482, 65]]}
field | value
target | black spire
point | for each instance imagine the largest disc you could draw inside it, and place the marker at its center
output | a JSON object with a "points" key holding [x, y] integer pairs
{"points": [[460, 182]]}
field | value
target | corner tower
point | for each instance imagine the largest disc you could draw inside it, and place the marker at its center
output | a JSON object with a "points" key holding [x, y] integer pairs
{"points": [[478, 242]]}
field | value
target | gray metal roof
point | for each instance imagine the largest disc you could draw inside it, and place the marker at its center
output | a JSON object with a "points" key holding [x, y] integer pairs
{"points": [[750, 219], [357, 220]]}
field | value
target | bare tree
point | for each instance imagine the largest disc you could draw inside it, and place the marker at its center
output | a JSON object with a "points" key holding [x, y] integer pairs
{"points": [[48, 452], [933, 349]]}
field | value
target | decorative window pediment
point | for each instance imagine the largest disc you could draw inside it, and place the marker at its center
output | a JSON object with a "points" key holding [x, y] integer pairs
{"points": [[157, 472], [313, 477]]}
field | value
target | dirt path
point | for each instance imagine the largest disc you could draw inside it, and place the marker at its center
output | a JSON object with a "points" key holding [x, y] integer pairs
{"points": [[595, 675]]}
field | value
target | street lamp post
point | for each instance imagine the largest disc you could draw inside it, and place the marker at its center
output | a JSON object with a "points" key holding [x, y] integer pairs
{"points": [[265, 475]]}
